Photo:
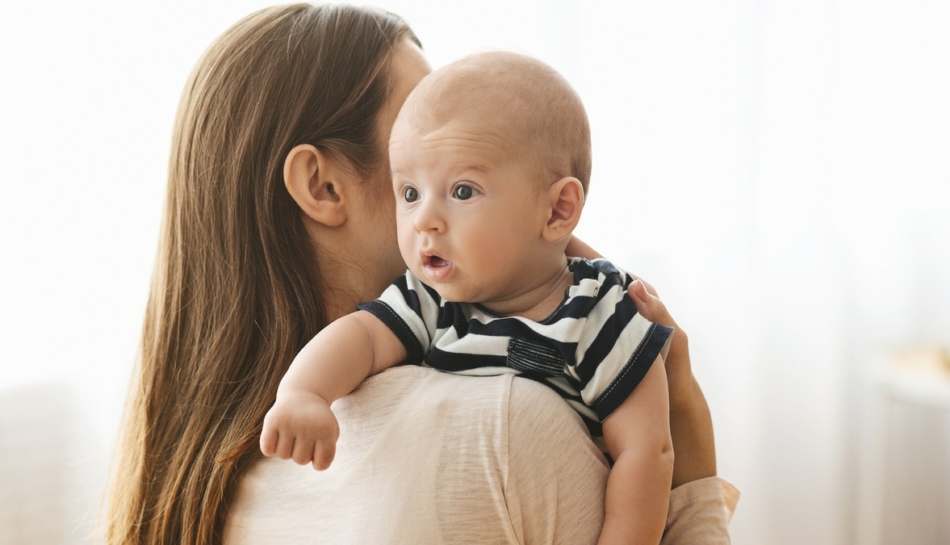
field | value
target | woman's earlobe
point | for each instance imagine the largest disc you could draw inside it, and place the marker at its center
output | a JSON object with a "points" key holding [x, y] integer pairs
{"points": [[567, 200], [313, 180]]}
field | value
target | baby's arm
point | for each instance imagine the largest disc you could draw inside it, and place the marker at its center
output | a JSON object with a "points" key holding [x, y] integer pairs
{"points": [[638, 488], [300, 425]]}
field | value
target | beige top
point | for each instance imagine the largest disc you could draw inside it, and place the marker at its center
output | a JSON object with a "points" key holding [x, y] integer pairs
{"points": [[428, 457]]}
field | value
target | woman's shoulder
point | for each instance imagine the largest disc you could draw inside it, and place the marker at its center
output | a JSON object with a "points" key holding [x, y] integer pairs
{"points": [[429, 457], [410, 395], [410, 438]]}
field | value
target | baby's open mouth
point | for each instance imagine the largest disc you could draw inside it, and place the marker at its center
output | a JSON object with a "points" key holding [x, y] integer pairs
{"points": [[434, 261], [436, 268]]}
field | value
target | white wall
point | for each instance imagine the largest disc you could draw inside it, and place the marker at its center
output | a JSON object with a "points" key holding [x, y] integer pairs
{"points": [[779, 170]]}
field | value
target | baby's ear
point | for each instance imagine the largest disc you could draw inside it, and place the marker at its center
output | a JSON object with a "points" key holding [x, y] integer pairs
{"points": [[566, 197]]}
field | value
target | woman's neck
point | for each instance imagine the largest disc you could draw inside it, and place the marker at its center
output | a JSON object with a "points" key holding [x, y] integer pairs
{"points": [[346, 286]]}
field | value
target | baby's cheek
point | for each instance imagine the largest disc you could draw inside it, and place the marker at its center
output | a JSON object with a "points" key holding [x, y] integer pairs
{"points": [[406, 246]]}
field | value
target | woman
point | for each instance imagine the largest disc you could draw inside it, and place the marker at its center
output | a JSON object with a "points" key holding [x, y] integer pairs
{"points": [[279, 218]]}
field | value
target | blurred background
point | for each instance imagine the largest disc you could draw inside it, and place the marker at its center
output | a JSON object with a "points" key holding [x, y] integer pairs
{"points": [[780, 171]]}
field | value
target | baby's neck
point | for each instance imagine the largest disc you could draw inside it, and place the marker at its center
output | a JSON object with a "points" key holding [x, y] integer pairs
{"points": [[538, 301]]}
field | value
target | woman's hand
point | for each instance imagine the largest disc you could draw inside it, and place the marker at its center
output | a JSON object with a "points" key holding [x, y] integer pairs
{"points": [[690, 421], [679, 372]]}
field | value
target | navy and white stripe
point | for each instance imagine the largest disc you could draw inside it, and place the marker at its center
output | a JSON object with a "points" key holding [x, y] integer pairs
{"points": [[593, 350]]}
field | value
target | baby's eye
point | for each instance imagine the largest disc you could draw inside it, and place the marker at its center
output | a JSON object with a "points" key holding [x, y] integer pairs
{"points": [[410, 194], [464, 192]]}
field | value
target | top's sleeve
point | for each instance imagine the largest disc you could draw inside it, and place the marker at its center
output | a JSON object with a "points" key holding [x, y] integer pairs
{"points": [[700, 512], [617, 346], [410, 309]]}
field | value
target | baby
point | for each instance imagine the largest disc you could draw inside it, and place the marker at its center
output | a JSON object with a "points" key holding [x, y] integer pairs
{"points": [[490, 161]]}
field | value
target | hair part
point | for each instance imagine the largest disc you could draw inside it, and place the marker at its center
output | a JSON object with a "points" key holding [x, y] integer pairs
{"points": [[236, 289]]}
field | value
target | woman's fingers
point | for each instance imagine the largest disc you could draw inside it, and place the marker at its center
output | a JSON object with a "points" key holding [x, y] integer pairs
{"points": [[650, 289], [678, 368], [648, 304]]}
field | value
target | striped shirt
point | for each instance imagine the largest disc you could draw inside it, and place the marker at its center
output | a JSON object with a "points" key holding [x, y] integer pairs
{"points": [[593, 350]]}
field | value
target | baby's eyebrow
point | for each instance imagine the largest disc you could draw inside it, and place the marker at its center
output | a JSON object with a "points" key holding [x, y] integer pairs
{"points": [[469, 167], [454, 170]]}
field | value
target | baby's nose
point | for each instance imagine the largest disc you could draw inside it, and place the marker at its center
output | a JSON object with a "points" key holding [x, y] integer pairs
{"points": [[429, 217]]}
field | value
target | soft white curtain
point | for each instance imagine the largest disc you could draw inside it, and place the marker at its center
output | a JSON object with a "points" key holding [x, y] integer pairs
{"points": [[779, 170]]}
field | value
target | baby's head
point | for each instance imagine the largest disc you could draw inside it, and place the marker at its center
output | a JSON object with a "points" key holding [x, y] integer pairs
{"points": [[491, 160], [516, 97]]}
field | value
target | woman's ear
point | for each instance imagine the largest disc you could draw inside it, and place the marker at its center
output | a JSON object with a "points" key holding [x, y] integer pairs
{"points": [[566, 197], [317, 182]]}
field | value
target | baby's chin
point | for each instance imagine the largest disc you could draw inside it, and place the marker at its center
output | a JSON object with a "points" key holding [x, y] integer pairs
{"points": [[475, 295], [448, 291]]}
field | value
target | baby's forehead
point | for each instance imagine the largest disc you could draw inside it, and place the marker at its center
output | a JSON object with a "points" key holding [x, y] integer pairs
{"points": [[513, 89]]}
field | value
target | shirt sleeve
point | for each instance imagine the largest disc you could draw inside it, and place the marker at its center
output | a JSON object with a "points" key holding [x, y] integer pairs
{"points": [[618, 344], [410, 309], [700, 512]]}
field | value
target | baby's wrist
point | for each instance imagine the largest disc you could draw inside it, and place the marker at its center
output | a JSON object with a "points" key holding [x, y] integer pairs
{"points": [[301, 395]]}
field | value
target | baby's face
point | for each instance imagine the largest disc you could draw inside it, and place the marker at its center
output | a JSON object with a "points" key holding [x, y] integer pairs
{"points": [[469, 209]]}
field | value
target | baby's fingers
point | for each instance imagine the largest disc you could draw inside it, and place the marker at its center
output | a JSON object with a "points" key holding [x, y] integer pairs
{"points": [[272, 436], [285, 446], [303, 451], [323, 454], [269, 440]]}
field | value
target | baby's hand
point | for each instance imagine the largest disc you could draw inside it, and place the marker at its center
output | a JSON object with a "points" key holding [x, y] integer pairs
{"points": [[301, 426]]}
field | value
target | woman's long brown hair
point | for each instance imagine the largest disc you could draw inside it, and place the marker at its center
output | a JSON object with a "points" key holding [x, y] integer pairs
{"points": [[235, 291]]}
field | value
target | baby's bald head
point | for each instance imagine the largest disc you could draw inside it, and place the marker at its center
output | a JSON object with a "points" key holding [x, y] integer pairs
{"points": [[515, 97]]}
